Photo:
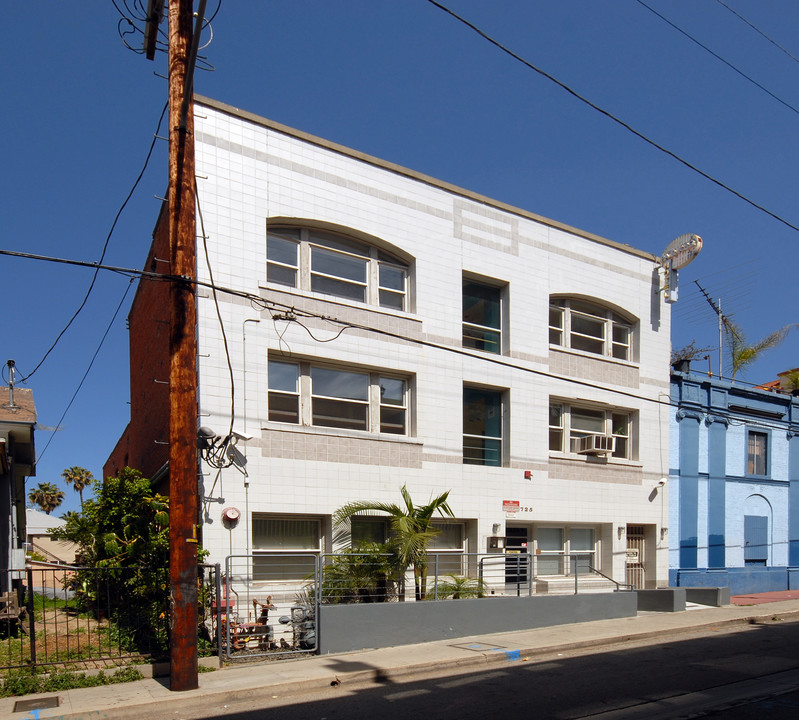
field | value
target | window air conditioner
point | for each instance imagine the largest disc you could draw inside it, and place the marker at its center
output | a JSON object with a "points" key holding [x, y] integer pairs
{"points": [[596, 444]]}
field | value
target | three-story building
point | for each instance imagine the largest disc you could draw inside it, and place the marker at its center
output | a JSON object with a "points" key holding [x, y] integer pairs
{"points": [[390, 329]]}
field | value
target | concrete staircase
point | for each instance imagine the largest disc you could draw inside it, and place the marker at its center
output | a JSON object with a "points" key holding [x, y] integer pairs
{"points": [[561, 585]]}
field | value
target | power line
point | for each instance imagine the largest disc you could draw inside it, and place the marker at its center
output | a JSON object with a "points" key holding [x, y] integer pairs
{"points": [[718, 57], [85, 374], [105, 248], [758, 30], [612, 117], [290, 313]]}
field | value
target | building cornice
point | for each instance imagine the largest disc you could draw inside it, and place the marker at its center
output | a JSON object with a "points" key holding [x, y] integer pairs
{"points": [[414, 175]]}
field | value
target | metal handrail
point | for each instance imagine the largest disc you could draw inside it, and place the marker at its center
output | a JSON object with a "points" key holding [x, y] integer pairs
{"points": [[627, 586]]}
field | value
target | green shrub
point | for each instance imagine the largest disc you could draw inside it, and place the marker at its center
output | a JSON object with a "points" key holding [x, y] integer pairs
{"points": [[25, 682], [457, 587]]}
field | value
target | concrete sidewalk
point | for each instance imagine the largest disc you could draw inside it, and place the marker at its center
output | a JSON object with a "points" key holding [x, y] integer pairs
{"points": [[152, 698]]}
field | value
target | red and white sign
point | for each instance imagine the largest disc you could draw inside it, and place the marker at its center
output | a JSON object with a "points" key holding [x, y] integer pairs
{"points": [[510, 506]]}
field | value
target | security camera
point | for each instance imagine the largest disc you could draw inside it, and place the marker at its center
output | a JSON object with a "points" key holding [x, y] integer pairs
{"points": [[242, 437], [662, 482]]}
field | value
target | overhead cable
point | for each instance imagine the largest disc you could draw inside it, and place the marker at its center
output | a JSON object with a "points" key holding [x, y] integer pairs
{"points": [[105, 247], [290, 313], [718, 57], [758, 31], [612, 117], [88, 370]]}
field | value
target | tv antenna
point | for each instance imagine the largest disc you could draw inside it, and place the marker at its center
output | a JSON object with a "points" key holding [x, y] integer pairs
{"points": [[680, 252], [717, 309]]}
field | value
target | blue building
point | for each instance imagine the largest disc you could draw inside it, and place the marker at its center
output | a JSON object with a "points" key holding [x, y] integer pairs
{"points": [[734, 486]]}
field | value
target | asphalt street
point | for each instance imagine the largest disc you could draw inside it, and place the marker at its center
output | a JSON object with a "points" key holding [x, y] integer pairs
{"points": [[736, 672]]}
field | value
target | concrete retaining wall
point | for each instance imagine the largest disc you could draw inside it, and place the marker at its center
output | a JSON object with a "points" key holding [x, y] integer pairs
{"points": [[714, 596], [662, 600], [741, 581], [352, 627]]}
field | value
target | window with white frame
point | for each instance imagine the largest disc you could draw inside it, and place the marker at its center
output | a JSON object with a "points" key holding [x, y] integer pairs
{"points": [[302, 393], [482, 316], [283, 546], [757, 453], [588, 327], [445, 551], [482, 426], [569, 423], [565, 550], [333, 264]]}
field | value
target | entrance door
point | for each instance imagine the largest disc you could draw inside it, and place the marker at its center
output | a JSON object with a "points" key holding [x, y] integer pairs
{"points": [[636, 552], [755, 540], [516, 549]]}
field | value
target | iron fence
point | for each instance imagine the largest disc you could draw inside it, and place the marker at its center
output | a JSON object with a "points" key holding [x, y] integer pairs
{"points": [[68, 615], [264, 604]]}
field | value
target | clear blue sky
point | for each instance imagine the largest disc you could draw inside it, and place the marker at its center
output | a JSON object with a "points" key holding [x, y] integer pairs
{"points": [[401, 80]]}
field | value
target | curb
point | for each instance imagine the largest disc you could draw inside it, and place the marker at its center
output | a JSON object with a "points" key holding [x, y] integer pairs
{"points": [[322, 678]]}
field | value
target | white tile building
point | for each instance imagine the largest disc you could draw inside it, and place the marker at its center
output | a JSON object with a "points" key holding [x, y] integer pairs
{"points": [[472, 347]]}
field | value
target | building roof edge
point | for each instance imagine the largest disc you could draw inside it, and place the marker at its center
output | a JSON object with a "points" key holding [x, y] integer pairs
{"points": [[413, 174]]}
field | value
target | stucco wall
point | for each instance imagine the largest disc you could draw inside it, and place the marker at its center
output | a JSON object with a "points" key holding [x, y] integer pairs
{"points": [[353, 627]]}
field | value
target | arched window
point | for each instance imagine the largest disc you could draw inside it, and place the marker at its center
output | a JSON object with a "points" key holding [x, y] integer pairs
{"points": [[334, 264], [586, 326]]}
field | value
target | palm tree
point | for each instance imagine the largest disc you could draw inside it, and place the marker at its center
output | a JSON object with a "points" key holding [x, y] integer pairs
{"points": [[47, 496], [411, 530], [742, 353], [80, 478]]}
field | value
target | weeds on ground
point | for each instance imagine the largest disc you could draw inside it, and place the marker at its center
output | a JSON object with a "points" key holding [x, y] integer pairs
{"points": [[25, 682]]}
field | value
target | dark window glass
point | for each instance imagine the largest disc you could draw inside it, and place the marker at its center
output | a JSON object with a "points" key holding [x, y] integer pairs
{"points": [[482, 317], [482, 427]]}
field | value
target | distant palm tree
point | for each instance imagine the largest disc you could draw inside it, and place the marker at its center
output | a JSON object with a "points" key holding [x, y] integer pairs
{"points": [[742, 353], [411, 530], [47, 496], [80, 478]]}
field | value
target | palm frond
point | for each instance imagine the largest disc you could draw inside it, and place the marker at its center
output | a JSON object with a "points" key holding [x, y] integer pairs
{"points": [[345, 512], [742, 353]]}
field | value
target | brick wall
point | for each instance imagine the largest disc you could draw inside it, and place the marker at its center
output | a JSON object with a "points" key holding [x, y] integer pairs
{"points": [[143, 445]]}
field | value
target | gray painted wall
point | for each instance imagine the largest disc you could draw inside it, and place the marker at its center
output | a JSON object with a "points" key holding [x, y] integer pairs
{"points": [[662, 600], [352, 627]]}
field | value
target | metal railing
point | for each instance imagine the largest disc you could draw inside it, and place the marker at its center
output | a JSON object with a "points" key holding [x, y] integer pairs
{"points": [[267, 604], [264, 604], [67, 615]]}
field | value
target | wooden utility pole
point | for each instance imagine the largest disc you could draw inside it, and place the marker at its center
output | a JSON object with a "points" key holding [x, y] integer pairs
{"points": [[183, 510]]}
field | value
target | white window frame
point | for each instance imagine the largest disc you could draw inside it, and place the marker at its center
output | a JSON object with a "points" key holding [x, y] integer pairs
{"points": [[500, 440], [283, 570], [615, 339], [563, 557], [475, 334], [375, 286], [377, 409], [451, 560], [562, 426]]}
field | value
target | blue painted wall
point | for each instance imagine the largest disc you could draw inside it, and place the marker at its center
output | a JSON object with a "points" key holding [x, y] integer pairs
{"points": [[715, 491]]}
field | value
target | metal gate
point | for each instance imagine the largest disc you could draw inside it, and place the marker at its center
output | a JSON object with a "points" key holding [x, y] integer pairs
{"points": [[636, 555], [267, 604]]}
